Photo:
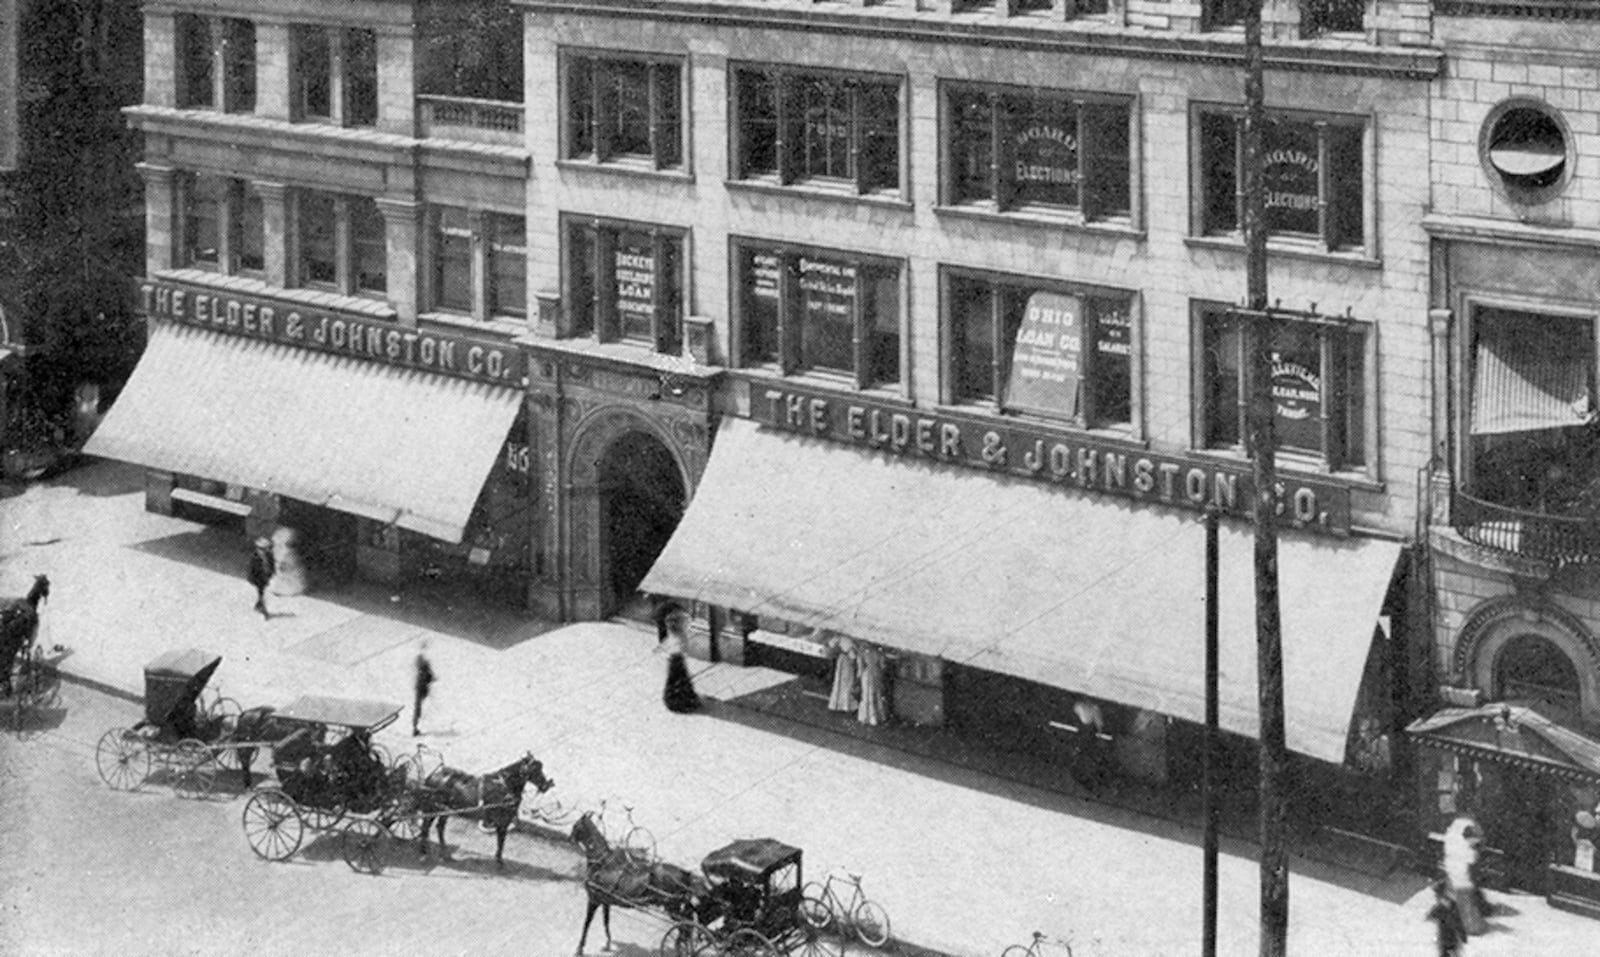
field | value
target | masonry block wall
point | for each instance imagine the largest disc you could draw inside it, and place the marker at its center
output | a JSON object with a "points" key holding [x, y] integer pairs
{"points": [[1157, 257]]}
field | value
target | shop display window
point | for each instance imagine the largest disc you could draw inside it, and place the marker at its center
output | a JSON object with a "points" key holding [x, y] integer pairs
{"points": [[1319, 384], [624, 109], [625, 283], [806, 310], [818, 128], [1039, 151], [1314, 171], [1041, 348]]}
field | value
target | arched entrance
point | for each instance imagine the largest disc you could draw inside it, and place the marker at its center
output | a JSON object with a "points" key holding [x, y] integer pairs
{"points": [[1532, 668], [641, 499]]}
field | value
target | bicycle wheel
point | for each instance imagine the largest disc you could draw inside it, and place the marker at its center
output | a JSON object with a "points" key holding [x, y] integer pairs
{"points": [[272, 825], [814, 909], [685, 939], [639, 845], [871, 923], [1017, 950], [747, 943]]}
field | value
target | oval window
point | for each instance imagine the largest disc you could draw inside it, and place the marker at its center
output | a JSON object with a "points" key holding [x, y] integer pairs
{"points": [[1526, 146]]}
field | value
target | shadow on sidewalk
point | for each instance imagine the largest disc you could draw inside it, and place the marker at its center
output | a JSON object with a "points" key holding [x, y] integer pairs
{"points": [[793, 710]]}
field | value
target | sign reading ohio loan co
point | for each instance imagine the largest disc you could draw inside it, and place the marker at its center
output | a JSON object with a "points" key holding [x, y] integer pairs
{"points": [[328, 331], [1082, 462]]}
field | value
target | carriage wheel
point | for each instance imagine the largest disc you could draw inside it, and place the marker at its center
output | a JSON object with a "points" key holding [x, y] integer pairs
{"points": [[871, 922], [814, 909], [811, 945], [639, 845], [122, 759], [748, 943], [194, 772], [686, 939], [362, 843], [272, 825], [225, 713], [323, 816]]}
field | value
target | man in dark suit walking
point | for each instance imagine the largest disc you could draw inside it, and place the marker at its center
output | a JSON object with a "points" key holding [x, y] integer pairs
{"points": [[262, 568]]}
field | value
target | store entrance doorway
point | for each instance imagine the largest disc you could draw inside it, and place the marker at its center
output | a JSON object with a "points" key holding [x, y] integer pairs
{"points": [[642, 498]]}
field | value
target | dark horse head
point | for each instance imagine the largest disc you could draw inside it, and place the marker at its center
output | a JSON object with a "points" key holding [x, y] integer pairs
{"points": [[491, 798], [19, 624], [613, 878]]}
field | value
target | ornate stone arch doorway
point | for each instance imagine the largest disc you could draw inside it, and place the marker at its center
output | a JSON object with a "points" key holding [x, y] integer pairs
{"points": [[1522, 649], [629, 490]]}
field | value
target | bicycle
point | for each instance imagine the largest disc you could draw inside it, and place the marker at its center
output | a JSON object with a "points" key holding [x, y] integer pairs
{"points": [[635, 842], [821, 907], [1037, 947]]}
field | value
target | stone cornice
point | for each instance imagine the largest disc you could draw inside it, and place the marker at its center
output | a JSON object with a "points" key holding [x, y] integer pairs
{"points": [[1086, 38], [1508, 232]]}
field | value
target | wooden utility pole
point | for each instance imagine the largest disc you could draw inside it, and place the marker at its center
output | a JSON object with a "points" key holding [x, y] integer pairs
{"points": [[1263, 455]]}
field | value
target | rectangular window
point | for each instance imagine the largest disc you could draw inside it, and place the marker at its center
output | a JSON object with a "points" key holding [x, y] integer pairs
{"points": [[368, 245], [204, 202], [811, 310], [1216, 14], [508, 265], [238, 66], [624, 110], [1319, 385], [452, 260], [247, 228], [1040, 348], [1531, 404], [1042, 151], [1319, 17], [313, 73], [196, 77], [1313, 171], [625, 283], [805, 127], [335, 75], [317, 235]]}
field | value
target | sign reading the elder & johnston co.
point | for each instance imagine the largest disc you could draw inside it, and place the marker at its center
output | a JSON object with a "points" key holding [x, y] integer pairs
{"points": [[1079, 461], [329, 331]]}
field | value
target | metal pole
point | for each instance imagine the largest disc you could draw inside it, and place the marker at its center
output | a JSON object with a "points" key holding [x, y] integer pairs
{"points": [[1208, 804], [1263, 448]]}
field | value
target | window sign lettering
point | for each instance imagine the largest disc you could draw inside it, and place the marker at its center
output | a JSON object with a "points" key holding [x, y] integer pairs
{"points": [[1046, 158], [1291, 174], [635, 276], [764, 268], [1113, 330], [1047, 359], [1297, 393], [828, 302]]}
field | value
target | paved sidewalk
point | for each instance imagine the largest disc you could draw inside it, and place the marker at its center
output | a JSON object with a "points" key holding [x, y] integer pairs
{"points": [[965, 862]]}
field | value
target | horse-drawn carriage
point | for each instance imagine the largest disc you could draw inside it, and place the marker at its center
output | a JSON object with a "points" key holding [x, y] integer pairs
{"points": [[179, 735], [328, 771], [27, 684]]}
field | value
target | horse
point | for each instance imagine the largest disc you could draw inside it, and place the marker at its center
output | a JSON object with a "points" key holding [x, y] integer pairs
{"points": [[491, 797], [615, 878], [19, 625]]}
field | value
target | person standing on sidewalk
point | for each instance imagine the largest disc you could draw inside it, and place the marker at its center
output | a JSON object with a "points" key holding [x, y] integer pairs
{"points": [[679, 695], [262, 568], [1447, 917], [421, 686]]}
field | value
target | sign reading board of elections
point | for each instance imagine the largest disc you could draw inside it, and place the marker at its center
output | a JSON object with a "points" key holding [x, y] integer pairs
{"points": [[1041, 454], [1047, 358], [326, 330], [1290, 175]]}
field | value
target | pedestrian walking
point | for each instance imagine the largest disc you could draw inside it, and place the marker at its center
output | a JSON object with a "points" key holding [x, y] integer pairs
{"points": [[420, 689], [262, 568], [679, 695], [1446, 916], [843, 696], [1460, 864]]}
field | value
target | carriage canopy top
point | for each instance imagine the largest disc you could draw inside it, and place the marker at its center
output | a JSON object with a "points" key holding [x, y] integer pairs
{"points": [[369, 716], [172, 682], [748, 860]]}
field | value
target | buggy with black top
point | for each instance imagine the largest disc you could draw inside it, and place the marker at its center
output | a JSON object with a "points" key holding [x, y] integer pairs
{"points": [[184, 738], [752, 907]]}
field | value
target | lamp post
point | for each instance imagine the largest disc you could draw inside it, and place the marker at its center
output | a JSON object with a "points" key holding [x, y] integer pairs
{"points": [[1262, 445]]}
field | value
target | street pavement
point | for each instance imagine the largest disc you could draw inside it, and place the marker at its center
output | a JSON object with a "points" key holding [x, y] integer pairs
{"points": [[964, 863]]}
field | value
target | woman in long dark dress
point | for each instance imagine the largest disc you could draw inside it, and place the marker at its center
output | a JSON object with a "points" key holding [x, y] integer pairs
{"points": [[679, 695]]}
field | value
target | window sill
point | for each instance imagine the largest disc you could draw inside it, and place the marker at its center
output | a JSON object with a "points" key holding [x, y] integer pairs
{"points": [[305, 296], [818, 191], [1040, 219], [991, 410], [497, 326], [1359, 258], [626, 168], [830, 381], [1357, 479]]}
